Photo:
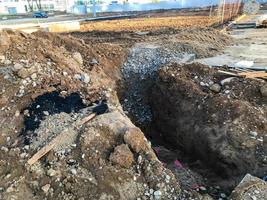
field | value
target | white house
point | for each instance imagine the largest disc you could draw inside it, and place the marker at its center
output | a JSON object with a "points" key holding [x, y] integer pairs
{"points": [[12, 6], [23, 6]]}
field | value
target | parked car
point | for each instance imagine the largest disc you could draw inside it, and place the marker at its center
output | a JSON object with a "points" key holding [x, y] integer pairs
{"points": [[40, 14]]}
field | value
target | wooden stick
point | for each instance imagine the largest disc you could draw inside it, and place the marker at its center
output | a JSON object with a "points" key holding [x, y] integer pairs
{"points": [[229, 73], [56, 141], [257, 74]]}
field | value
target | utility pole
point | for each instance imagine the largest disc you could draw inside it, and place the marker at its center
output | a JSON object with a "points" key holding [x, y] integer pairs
{"points": [[94, 8]]}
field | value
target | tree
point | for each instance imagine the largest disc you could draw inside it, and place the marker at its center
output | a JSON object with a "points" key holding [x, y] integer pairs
{"points": [[38, 4], [30, 4]]}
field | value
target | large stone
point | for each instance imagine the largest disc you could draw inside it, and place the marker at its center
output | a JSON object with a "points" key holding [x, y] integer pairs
{"points": [[135, 139], [122, 156], [215, 88], [250, 188]]}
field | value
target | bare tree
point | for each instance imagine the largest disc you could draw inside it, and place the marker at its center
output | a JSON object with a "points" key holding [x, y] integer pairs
{"points": [[38, 4], [30, 4]]}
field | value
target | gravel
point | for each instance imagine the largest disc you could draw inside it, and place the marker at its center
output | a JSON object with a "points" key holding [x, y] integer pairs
{"points": [[138, 71]]}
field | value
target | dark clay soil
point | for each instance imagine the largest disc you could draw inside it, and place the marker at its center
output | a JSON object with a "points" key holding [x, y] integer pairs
{"points": [[224, 129]]}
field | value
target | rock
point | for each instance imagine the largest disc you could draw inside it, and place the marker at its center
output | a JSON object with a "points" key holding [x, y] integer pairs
{"points": [[227, 80], [33, 76], [77, 77], [23, 73], [215, 88], [157, 194], [2, 57], [65, 73], [93, 62], [5, 149], [46, 113], [78, 58], [18, 66], [135, 139], [250, 188], [202, 84], [263, 90], [17, 113], [253, 133], [51, 172], [7, 62], [46, 188], [85, 78], [73, 171], [122, 156]]}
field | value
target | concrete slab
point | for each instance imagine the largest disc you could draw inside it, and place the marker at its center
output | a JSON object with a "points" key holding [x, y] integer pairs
{"points": [[251, 45]]}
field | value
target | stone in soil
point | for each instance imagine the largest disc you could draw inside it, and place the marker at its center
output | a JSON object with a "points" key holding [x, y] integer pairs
{"points": [[122, 156]]}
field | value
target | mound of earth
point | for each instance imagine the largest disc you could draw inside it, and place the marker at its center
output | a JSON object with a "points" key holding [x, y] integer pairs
{"points": [[49, 82], [219, 121]]}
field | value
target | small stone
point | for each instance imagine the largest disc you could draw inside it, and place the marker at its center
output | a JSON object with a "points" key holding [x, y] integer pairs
{"points": [[23, 155], [46, 113], [5, 149], [18, 66], [2, 58], [253, 198], [223, 195], [263, 90], [215, 88], [65, 73], [10, 189], [23, 73], [7, 62], [157, 194], [51, 172], [77, 77], [253, 133], [33, 76], [202, 188], [17, 113], [85, 78], [202, 83], [73, 171], [227, 91], [94, 61], [46, 188]]}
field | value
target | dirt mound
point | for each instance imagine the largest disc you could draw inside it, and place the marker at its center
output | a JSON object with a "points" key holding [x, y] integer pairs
{"points": [[223, 125]]}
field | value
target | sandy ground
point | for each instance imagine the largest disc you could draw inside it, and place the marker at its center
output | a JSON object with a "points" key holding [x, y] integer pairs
{"points": [[144, 24]]}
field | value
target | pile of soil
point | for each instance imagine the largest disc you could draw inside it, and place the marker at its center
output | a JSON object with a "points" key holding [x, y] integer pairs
{"points": [[109, 156], [219, 121]]}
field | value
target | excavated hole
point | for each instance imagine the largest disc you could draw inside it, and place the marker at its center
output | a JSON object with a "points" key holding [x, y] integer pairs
{"points": [[48, 104], [139, 73]]}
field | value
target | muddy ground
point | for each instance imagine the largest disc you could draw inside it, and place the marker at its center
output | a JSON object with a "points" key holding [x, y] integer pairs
{"points": [[50, 82]]}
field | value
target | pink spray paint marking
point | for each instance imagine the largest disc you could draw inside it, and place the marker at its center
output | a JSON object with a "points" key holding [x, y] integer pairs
{"points": [[178, 164]]}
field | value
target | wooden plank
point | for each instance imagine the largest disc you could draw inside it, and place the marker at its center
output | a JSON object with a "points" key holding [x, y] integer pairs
{"points": [[257, 74]]}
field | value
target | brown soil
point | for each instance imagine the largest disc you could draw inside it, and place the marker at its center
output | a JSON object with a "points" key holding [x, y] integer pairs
{"points": [[147, 24]]}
